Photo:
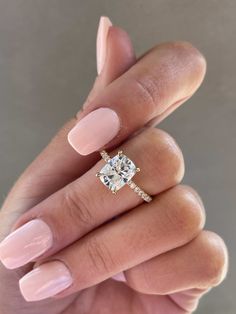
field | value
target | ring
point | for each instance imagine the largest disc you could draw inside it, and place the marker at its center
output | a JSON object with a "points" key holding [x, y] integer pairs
{"points": [[118, 172]]}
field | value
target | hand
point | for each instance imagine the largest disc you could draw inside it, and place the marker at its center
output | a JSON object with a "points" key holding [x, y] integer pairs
{"points": [[62, 214]]}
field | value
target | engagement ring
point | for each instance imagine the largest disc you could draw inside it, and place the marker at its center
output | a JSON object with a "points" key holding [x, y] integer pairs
{"points": [[118, 172]]}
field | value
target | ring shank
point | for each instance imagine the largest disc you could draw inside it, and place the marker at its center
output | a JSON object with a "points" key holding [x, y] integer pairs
{"points": [[147, 198]]}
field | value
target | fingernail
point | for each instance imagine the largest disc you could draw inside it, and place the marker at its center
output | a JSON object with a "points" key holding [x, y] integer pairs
{"points": [[25, 244], [45, 281], [94, 131], [102, 33], [119, 277]]}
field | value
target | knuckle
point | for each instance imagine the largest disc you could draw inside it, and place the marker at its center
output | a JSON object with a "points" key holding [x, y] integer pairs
{"points": [[147, 91], [185, 50], [193, 59], [183, 55], [77, 206], [100, 255], [163, 148], [216, 257], [152, 91], [171, 159], [187, 212]]}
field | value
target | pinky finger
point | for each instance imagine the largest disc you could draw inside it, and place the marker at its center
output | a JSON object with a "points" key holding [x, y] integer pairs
{"points": [[185, 273]]}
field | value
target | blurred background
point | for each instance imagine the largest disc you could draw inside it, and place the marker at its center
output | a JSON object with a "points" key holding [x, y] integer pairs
{"points": [[47, 66]]}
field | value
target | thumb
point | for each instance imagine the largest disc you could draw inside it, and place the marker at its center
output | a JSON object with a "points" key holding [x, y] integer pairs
{"points": [[115, 55]]}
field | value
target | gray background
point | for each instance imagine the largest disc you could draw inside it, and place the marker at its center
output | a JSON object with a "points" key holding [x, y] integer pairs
{"points": [[47, 65]]}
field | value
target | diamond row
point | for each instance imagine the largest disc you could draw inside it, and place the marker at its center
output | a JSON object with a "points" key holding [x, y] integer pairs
{"points": [[105, 155], [140, 192]]}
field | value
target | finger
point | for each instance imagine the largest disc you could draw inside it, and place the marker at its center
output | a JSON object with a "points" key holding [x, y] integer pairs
{"points": [[87, 203], [120, 297], [58, 164], [191, 269], [167, 74], [171, 220], [200, 264]]}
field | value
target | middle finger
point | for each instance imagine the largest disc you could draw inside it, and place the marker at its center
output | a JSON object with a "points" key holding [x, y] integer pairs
{"points": [[171, 220], [86, 203]]}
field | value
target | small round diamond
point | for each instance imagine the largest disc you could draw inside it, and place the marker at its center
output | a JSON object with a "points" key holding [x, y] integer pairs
{"points": [[132, 185]]}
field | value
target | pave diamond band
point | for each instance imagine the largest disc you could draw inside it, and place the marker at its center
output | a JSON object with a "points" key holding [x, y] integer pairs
{"points": [[139, 191], [118, 171]]}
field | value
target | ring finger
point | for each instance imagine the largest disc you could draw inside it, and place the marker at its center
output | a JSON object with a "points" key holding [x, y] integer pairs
{"points": [[86, 203], [171, 220]]}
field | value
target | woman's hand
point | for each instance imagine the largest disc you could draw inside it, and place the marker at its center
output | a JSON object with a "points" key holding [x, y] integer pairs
{"points": [[61, 215]]}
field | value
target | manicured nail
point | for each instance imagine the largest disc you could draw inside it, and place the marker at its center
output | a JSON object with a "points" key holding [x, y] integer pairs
{"points": [[94, 131], [102, 33], [119, 277], [45, 281], [25, 244]]}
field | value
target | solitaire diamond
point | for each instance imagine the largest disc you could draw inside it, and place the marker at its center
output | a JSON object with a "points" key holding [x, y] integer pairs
{"points": [[117, 172]]}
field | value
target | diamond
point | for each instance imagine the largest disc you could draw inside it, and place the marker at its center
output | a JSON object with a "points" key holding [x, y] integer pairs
{"points": [[117, 172], [140, 193], [132, 185], [105, 155]]}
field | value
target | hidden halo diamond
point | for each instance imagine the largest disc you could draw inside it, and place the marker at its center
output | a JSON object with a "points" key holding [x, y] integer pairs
{"points": [[118, 172]]}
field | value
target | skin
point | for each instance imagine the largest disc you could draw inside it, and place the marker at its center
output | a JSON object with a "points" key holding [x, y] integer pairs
{"points": [[174, 260]]}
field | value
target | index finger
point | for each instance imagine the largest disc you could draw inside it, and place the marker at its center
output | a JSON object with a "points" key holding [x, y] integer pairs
{"points": [[167, 75]]}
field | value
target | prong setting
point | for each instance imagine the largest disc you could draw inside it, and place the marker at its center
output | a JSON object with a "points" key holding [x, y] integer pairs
{"points": [[118, 171]]}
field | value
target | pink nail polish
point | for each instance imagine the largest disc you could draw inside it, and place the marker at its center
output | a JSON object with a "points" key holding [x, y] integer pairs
{"points": [[45, 281], [119, 277], [25, 244], [94, 131], [103, 29]]}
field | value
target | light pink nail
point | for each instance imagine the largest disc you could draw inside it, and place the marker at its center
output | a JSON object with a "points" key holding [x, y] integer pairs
{"points": [[94, 131], [25, 244], [45, 281], [102, 33], [119, 277]]}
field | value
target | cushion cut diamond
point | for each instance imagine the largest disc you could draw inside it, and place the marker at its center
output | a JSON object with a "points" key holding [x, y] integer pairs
{"points": [[117, 172]]}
